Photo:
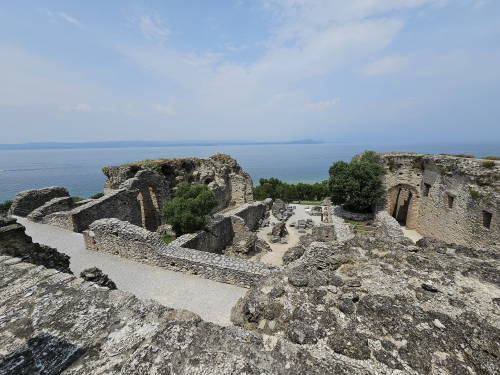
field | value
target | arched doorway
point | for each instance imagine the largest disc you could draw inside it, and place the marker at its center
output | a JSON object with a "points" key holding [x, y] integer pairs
{"points": [[402, 204]]}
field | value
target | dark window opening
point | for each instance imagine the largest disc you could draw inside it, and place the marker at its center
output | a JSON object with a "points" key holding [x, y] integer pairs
{"points": [[487, 219], [427, 188], [450, 200]]}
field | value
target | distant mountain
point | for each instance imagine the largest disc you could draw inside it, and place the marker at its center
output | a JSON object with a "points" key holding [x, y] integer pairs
{"points": [[130, 144]]}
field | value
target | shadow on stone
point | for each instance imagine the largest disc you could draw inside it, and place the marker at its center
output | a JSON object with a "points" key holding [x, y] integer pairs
{"points": [[44, 354]]}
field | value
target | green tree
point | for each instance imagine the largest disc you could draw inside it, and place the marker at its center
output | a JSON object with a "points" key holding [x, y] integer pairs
{"points": [[358, 184], [189, 210]]}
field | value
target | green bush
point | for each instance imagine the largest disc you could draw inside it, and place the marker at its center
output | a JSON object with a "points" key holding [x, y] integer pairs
{"points": [[97, 196], [358, 185], [4, 207], [488, 164], [491, 157], [189, 210], [167, 238]]}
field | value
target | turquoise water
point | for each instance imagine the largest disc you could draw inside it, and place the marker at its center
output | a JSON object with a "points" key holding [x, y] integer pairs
{"points": [[79, 170]]}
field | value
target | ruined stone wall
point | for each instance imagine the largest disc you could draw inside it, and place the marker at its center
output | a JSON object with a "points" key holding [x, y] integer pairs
{"points": [[452, 199], [121, 204], [26, 201], [124, 239], [214, 238], [232, 227], [221, 173]]}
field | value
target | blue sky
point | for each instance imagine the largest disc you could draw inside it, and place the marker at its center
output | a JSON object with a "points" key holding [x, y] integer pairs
{"points": [[349, 71]]}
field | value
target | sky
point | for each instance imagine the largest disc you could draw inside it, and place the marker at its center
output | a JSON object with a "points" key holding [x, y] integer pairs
{"points": [[261, 70]]}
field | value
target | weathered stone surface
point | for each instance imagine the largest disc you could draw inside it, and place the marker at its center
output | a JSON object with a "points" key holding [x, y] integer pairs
{"points": [[450, 198], [279, 210], [389, 225], [26, 201], [124, 239], [15, 243], [279, 229], [54, 205], [292, 254], [372, 300], [122, 204], [96, 275], [72, 328]]}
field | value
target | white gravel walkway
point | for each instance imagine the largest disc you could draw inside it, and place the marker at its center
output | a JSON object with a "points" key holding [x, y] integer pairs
{"points": [[209, 299]]}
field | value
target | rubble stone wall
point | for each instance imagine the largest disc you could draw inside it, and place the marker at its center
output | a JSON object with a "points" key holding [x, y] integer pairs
{"points": [[26, 201], [453, 199], [124, 239]]}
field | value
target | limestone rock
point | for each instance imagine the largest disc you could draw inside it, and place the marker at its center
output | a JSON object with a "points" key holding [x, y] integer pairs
{"points": [[14, 242], [96, 275], [373, 300]]}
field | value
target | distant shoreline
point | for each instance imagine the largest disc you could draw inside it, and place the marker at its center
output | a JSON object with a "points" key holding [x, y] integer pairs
{"points": [[137, 144]]}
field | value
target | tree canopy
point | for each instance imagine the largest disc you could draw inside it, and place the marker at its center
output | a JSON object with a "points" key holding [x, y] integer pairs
{"points": [[189, 210], [357, 184], [275, 188]]}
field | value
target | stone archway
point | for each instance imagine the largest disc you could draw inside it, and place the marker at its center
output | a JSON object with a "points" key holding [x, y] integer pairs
{"points": [[402, 204]]}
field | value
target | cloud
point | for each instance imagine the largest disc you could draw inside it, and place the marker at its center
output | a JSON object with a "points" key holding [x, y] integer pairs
{"points": [[323, 105], [164, 109], [81, 107], [385, 66], [153, 28], [55, 16]]}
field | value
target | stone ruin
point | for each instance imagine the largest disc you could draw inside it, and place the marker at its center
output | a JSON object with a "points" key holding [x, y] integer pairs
{"points": [[450, 198], [343, 303]]}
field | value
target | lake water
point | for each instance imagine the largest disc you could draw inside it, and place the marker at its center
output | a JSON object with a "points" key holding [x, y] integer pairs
{"points": [[79, 170]]}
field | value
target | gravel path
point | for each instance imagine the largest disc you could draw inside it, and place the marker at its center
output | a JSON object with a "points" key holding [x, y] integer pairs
{"points": [[209, 299]]}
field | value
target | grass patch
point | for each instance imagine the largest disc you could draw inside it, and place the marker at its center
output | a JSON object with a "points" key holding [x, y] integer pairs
{"points": [[5, 206], [468, 156], [360, 226], [97, 196], [476, 195], [489, 164], [167, 238], [77, 199], [491, 157]]}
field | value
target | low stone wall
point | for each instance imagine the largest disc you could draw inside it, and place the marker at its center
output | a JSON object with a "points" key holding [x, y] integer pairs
{"points": [[26, 201], [130, 241], [223, 231], [218, 234], [122, 204], [356, 216], [251, 213]]}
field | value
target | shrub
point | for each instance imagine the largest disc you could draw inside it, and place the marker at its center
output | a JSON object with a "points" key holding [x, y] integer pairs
{"points": [[275, 188], [189, 210], [97, 196], [167, 238], [491, 157], [358, 184], [488, 164], [5, 206], [77, 199]]}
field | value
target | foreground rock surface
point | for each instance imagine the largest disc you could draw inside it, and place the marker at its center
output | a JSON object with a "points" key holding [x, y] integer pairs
{"points": [[54, 323], [385, 304], [14, 242]]}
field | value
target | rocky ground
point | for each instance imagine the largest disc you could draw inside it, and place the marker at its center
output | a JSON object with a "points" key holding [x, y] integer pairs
{"points": [[385, 306]]}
